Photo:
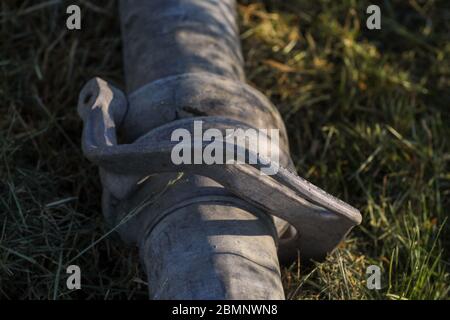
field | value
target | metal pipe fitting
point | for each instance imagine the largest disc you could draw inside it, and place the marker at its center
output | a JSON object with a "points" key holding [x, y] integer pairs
{"points": [[215, 231]]}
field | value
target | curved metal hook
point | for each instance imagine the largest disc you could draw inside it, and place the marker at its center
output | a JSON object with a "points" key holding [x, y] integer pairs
{"points": [[321, 220]]}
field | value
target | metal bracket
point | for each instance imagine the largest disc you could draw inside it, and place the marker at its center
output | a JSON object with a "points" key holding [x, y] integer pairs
{"points": [[320, 220]]}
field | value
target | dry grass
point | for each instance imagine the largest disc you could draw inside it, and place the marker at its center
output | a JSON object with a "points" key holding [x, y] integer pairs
{"points": [[367, 113]]}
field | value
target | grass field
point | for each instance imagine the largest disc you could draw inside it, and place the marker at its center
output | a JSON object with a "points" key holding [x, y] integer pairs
{"points": [[368, 116]]}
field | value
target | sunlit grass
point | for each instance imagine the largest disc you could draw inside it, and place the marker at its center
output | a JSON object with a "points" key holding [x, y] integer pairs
{"points": [[368, 116]]}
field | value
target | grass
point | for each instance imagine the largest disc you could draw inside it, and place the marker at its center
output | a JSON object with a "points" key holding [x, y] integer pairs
{"points": [[368, 116]]}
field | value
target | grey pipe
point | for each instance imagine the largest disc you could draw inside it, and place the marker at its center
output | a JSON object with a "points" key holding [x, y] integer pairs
{"points": [[210, 244], [216, 231]]}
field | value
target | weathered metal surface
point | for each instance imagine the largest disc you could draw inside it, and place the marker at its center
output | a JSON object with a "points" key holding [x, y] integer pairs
{"points": [[210, 234], [321, 219]]}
